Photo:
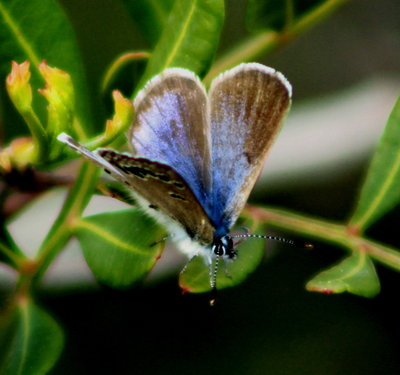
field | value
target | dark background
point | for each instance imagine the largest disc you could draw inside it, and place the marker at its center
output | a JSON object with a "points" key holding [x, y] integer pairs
{"points": [[269, 324]]}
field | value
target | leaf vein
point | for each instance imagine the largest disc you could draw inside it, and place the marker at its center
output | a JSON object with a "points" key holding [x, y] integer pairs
{"points": [[15, 29], [181, 36], [107, 236], [382, 192], [24, 351], [356, 268]]}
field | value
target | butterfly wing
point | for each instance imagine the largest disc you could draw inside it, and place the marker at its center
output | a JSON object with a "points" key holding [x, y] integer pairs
{"points": [[91, 156], [171, 125], [155, 184], [248, 103]]}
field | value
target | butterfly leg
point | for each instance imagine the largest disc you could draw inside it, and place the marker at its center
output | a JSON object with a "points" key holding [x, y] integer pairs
{"points": [[226, 271], [186, 265], [159, 241]]}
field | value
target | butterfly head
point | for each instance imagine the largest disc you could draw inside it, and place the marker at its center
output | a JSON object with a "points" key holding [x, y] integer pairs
{"points": [[223, 246]]}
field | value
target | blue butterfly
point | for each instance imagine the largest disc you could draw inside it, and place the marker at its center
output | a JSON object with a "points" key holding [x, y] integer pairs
{"points": [[196, 155]]}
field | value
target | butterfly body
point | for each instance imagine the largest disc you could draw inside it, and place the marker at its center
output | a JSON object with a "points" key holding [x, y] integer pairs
{"points": [[187, 243], [202, 238], [196, 155]]}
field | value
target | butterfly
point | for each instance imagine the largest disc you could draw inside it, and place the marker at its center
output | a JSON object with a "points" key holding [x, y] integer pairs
{"points": [[196, 155]]}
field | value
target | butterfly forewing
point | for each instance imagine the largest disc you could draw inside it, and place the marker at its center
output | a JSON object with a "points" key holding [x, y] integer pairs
{"points": [[91, 156], [159, 184], [165, 190], [171, 125], [248, 103]]}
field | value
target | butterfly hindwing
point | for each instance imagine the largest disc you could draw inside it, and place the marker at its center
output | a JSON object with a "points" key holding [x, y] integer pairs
{"points": [[248, 104]]}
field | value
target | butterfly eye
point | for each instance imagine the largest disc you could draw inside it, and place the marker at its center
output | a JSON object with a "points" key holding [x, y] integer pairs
{"points": [[224, 246], [218, 248], [226, 241]]}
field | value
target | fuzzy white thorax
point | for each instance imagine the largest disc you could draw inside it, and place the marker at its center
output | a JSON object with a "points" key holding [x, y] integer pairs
{"points": [[183, 242]]}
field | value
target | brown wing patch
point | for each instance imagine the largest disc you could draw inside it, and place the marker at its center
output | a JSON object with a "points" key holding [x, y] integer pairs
{"points": [[164, 188], [248, 104]]}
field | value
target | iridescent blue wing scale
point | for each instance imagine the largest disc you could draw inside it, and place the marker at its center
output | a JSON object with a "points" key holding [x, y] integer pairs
{"points": [[172, 126], [248, 104]]}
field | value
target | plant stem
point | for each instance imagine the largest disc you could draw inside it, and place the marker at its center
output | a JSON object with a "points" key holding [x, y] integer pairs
{"points": [[248, 50], [38, 133], [79, 129], [383, 254], [323, 230], [339, 234], [270, 40], [8, 253], [119, 63], [74, 204], [317, 15]]}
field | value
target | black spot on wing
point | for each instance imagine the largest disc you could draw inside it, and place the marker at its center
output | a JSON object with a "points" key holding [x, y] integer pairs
{"points": [[177, 196], [137, 171], [163, 177], [179, 185]]}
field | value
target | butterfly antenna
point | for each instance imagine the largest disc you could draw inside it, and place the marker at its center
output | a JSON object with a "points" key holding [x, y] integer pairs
{"points": [[213, 281], [275, 238]]}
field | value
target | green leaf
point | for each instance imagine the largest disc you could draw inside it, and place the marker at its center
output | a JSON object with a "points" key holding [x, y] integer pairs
{"points": [[190, 38], [355, 274], [38, 30], [277, 14], [196, 277], [31, 341], [120, 247], [381, 189], [150, 15]]}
